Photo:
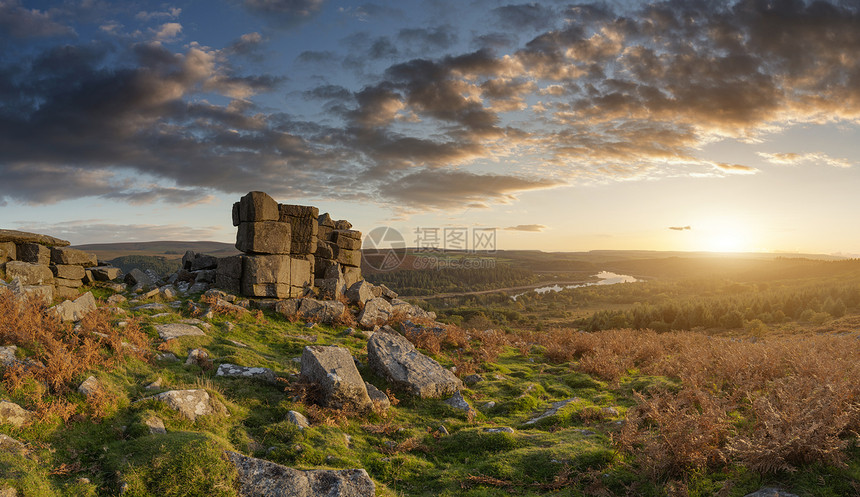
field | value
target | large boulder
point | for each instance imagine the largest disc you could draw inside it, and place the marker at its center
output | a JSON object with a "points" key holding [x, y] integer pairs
{"points": [[8, 252], [321, 311], [170, 331], [360, 292], [395, 358], [30, 274], [257, 206], [261, 478], [266, 276], [75, 310], [333, 370], [73, 257], [14, 414], [264, 237], [377, 311], [234, 371], [68, 272], [138, 279], [191, 403], [19, 237], [34, 253], [228, 276], [41, 293], [105, 273]]}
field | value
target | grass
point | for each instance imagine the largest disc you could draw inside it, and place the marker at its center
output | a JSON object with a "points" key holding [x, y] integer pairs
{"points": [[653, 415]]}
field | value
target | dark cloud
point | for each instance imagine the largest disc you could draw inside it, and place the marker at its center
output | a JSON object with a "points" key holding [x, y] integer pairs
{"points": [[443, 189], [317, 57], [284, 13], [495, 41], [440, 37], [526, 16], [526, 227], [680, 228], [21, 22]]}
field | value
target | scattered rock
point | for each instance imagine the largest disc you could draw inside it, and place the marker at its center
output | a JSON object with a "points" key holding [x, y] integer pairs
{"points": [[138, 279], [154, 306], [191, 403], [155, 425], [458, 402], [395, 358], [556, 406], [90, 386], [321, 311], [473, 379], [105, 273], [360, 292], [155, 385], [298, 419], [116, 299], [260, 478], [442, 430], [377, 311], [198, 357], [9, 444], [167, 357], [501, 429], [333, 370], [14, 414], [7, 355], [77, 309], [174, 330], [489, 405], [378, 397], [234, 371]]}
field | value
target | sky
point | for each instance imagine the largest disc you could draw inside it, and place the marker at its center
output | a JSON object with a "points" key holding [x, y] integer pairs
{"points": [[563, 126]]}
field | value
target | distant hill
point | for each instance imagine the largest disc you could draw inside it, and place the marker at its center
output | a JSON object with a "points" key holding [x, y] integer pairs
{"points": [[166, 249]]}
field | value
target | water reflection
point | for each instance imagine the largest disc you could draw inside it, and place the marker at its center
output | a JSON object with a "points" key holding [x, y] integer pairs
{"points": [[606, 278]]}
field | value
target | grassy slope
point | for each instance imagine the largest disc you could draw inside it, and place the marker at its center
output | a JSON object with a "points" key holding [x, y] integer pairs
{"points": [[568, 454]]}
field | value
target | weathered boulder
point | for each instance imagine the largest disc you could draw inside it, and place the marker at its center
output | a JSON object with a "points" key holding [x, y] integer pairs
{"points": [[298, 419], [384, 291], [155, 425], [360, 292], [174, 330], [75, 310], [266, 276], [264, 237], [191, 403], [289, 307], [90, 386], [351, 275], [333, 370], [257, 206], [40, 293], [198, 357], [19, 237], [8, 252], [458, 402], [332, 288], [234, 371], [69, 272], [228, 275], [395, 358], [377, 311], [403, 309], [349, 257], [63, 282], [261, 478], [105, 273], [7, 355], [34, 253], [9, 444], [138, 278], [30, 274], [378, 397], [321, 311], [73, 257], [14, 414]]}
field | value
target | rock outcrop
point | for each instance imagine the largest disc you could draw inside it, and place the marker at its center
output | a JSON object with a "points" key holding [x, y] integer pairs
{"points": [[395, 358], [333, 370], [191, 403], [260, 478]]}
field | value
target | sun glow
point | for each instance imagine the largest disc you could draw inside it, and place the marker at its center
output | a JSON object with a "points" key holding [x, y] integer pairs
{"points": [[726, 235]]}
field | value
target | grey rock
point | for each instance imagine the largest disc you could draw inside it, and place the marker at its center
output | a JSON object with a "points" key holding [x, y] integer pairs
{"points": [[260, 478], [40, 293], [90, 386], [458, 402], [136, 278], [105, 273], [321, 311], [9, 444], [191, 403], [30, 274], [197, 357], [152, 306], [175, 330], [234, 371], [501, 429], [73, 257], [205, 275], [155, 425], [7, 355], [378, 397], [75, 310], [34, 253], [377, 311], [116, 299], [167, 357], [360, 292], [14, 414], [298, 419], [351, 275], [442, 430], [265, 237], [19, 237], [63, 282], [69, 272], [489, 405], [332, 288], [258, 206], [473, 379], [334, 371], [266, 276], [395, 358], [203, 262], [289, 307]]}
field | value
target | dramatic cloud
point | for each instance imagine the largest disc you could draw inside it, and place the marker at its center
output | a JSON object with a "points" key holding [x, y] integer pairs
{"points": [[526, 227], [406, 116]]}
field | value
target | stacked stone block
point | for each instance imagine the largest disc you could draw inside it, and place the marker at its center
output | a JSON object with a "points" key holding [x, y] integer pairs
{"points": [[45, 265], [287, 250]]}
